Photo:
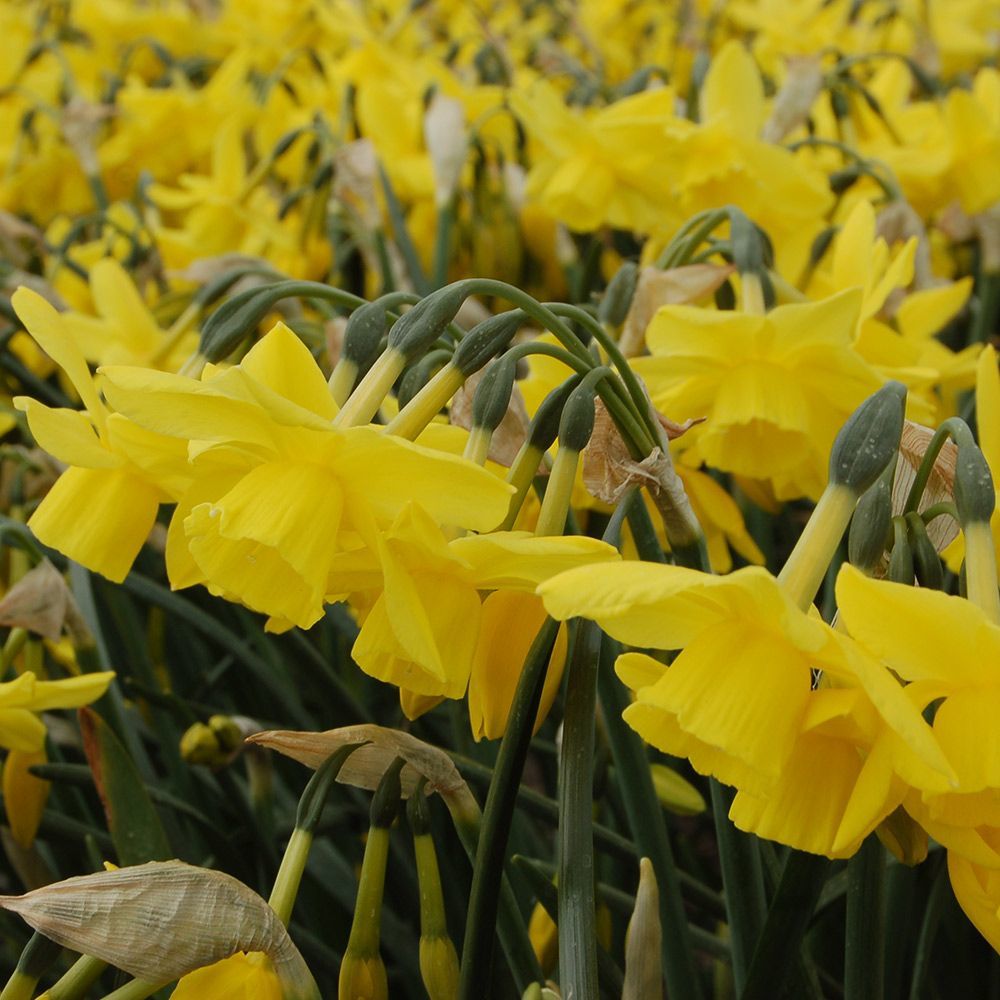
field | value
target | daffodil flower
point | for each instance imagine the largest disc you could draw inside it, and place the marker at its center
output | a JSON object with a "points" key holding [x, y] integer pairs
{"points": [[124, 330], [775, 388], [428, 630], [279, 490], [740, 704], [101, 509]]}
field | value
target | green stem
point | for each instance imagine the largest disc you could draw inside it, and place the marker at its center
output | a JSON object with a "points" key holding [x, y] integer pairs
{"points": [[984, 322], [477, 953], [645, 817], [928, 931], [38, 954], [864, 942], [777, 952], [138, 989], [78, 979], [743, 883], [442, 243], [577, 922], [628, 376], [293, 863]]}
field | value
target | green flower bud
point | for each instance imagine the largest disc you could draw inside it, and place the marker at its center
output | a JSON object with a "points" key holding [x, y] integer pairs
{"points": [[577, 421], [363, 334], [975, 496], [417, 329], [618, 295], [486, 339], [492, 396], [871, 525], [926, 562], [869, 440], [545, 424], [901, 559]]}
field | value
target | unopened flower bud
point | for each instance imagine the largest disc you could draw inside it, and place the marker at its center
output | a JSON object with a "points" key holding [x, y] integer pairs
{"points": [[926, 562], [975, 497], [869, 440], [486, 339], [901, 560], [870, 526], [617, 299]]}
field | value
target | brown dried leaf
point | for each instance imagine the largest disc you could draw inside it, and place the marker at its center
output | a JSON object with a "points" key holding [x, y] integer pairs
{"points": [[609, 470], [656, 288], [42, 603], [162, 920], [940, 486], [365, 767]]}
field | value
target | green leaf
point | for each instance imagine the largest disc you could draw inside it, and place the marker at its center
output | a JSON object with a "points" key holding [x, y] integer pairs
{"points": [[133, 823]]}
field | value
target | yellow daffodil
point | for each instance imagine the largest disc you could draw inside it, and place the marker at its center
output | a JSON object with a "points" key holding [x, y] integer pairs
{"points": [[603, 168], [427, 628], [738, 698], [101, 509], [722, 160], [775, 388], [124, 330], [262, 433]]}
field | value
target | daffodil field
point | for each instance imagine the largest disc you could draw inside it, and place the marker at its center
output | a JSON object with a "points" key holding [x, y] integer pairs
{"points": [[496, 499]]}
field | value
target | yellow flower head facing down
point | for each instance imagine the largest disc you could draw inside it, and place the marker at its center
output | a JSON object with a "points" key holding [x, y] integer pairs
{"points": [[600, 168], [101, 509], [775, 388], [22, 699], [945, 647], [738, 701], [429, 630], [278, 490]]}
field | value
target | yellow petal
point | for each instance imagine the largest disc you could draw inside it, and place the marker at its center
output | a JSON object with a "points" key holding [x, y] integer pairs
{"points": [[283, 363], [390, 472], [922, 634], [741, 690], [70, 692], [520, 559], [241, 977], [24, 795], [924, 313], [67, 434], [98, 517], [118, 301], [638, 670], [21, 730], [44, 323], [733, 89], [187, 408], [508, 626], [977, 890], [988, 408]]}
